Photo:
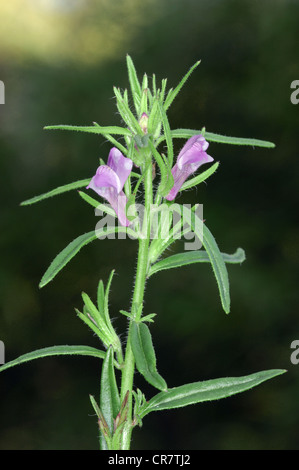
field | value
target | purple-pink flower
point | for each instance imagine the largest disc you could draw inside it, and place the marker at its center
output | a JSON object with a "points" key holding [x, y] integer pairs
{"points": [[190, 158], [109, 181]]}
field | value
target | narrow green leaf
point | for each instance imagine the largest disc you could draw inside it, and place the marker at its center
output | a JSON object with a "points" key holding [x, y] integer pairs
{"points": [[148, 318], [109, 397], [55, 351], [95, 406], [218, 265], [154, 120], [191, 257], [200, 178], [92, 309], [154, 86], [117, 144], [165, 171], [209, 390], [171, 96], [167, 134], [106, 300], [56, 191], [98, 205], [66, 255], [144, 354], [100, 330], [134, 83], [73, 248], [221, 139], [163, 88], [95, 129], [127, 314], [126, 114], [101, 298], [143, 102]]}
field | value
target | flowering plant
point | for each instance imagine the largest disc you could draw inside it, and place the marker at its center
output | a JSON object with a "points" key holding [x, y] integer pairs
{"points": [[155, 219]]}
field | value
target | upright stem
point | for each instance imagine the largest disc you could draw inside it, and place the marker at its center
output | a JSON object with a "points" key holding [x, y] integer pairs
{"points": [[138, 295]]}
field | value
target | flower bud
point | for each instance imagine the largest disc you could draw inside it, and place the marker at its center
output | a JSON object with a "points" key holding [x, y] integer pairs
{"points": [[143, 122]]}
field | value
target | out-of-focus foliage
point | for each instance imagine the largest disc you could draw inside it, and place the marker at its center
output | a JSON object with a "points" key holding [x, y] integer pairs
{"points": [[59, 66], [70, 31]]}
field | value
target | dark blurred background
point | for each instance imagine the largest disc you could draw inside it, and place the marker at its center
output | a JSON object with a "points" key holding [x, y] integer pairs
{"points": [[59, 62]]}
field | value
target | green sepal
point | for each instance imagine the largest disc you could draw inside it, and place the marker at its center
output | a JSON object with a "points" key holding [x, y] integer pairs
{"points": [[142, 140], [144, 354], [143, 102], [120, 421]]}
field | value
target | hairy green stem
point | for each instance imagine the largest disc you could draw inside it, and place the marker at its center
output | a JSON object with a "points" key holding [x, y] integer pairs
{"points": [[138, 295]]}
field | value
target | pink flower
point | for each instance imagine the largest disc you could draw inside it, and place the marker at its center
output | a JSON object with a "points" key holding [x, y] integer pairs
{"points": [[190, 158], [109, 181]]}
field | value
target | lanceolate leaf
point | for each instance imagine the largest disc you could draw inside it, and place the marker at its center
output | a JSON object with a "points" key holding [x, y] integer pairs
{"points": [[73, 248], [167, 134], [144, 355], [109, 398], [95, 203], [65, 256], [55, 351], [216, 259], [134, 83], [165, 170], [218, 266], [191, 257], [209, 390], [95, 129], [171, 96], [221, 139], [56, 191], [200, 178]]}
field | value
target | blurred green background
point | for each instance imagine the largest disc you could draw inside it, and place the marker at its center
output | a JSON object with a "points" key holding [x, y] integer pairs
{"points": [[59, 61]]}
